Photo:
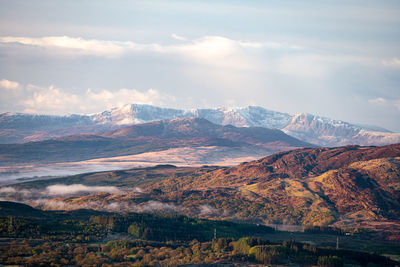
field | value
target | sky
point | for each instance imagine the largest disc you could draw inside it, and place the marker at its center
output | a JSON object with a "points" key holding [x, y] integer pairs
{"points": [[338, 59]]}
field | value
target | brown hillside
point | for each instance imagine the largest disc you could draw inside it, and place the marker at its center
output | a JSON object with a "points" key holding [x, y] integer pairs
{"points": [[347, 186], [302, 163], [313, 186]]}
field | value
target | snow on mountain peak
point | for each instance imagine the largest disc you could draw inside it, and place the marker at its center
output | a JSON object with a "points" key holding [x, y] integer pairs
{"points": [[311, 128], [307, 127]]}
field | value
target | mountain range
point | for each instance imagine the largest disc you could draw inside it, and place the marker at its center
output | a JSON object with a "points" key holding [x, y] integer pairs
{"points": [[20, 128]]}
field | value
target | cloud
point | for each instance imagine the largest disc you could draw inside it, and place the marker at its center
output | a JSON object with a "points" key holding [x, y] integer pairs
{"points": [[248, 71], [217, 44], [218, 51], [49, 204], [385, 102], [207, 209], [49, 99], [53, 100], [120, 206], [391, 63], [136, 190], [126, 96], [157, 206], [62, 189], [378, 100], [8, 85], [56, 204], [178, 37], [211, 50], [49, 198], [76, 45], [7, 190], [13, 192]]}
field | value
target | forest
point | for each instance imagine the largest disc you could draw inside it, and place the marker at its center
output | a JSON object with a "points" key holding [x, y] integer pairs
{"points": [[92, 238]]}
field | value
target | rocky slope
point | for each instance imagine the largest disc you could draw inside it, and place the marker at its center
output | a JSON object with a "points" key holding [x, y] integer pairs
{"points": [[313, 129]]}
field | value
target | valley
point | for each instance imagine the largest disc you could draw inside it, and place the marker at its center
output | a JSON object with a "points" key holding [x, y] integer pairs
{"points": [[183, 142], [185, 156]]}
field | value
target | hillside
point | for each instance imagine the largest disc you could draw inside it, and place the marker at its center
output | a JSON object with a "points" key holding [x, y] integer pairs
{"points": [[348, 187], [8, 208]]}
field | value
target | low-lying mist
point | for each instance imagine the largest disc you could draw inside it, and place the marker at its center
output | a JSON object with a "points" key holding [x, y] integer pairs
{"points": [[62, 189], [56, 190], [103, 198]]}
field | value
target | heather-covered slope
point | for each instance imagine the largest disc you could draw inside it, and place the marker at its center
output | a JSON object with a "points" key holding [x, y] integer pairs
{"points": [[304, 163], [317, 185]]}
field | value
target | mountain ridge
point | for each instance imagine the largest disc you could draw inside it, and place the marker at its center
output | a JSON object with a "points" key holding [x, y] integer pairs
{"points": [[307, 127]]}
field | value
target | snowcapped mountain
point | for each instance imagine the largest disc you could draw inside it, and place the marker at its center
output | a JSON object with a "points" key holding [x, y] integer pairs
{"points": [[327, 132], [20, 127], [310, 128], [250, 116], [46, 122]]}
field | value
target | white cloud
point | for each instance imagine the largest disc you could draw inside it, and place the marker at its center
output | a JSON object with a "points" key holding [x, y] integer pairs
{"points": [[178, 37], [77, 45], [62, 189], [153, 205], [392, 63], [7, 190], [125, 96], [210, 50], [59, 189], [207, 209], [378, 100], [218, 51], [52, 100], [49, 99], [8, 85], [386, 102]]}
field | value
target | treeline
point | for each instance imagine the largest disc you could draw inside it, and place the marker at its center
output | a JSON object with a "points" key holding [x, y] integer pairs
{"points": [[289, 251], [51, 229], [160, 227], [83, 226], [152, 253]]}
